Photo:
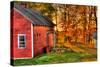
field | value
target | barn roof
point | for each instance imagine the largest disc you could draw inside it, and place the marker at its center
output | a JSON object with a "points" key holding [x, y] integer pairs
{"points": [[34, 16]]}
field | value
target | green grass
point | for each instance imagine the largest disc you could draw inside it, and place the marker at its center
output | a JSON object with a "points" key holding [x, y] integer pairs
{"points": [[55, 58]]}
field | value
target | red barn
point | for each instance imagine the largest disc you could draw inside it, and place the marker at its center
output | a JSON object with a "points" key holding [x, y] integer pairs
{"points": [[31, 32]]}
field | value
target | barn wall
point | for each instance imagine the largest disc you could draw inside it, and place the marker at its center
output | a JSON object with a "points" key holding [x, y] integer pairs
{"points": [[20, 25], [51, 39], [40, 39]]}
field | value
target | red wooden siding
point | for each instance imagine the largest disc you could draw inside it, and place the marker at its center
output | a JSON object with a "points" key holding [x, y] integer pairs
{"points": [[21, 26], [39, 39], [50, 39]]}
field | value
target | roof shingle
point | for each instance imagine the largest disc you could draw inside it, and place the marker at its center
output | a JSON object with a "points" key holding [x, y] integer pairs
{"points": [[36, 17]]}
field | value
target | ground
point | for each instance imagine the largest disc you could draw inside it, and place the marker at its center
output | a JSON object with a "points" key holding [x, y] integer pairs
{"points": [[53, 57]]}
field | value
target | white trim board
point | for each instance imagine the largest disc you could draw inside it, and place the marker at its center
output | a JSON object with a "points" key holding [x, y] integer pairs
{"points": [[32, 40], [23, 58]]}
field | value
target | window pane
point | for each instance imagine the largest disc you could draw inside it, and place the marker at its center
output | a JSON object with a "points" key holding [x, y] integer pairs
{"points": [[22, 45], [21, 41], [22, 38]]}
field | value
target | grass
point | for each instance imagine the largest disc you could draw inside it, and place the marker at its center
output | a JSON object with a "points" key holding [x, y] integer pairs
{"points": [[53, 58]]}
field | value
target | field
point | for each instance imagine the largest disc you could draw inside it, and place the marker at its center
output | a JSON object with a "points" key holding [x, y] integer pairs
{"points": [[52, 58]]}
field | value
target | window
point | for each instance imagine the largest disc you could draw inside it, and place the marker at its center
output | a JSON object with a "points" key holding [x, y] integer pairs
{"points": [[21, 40], [38, 34]]}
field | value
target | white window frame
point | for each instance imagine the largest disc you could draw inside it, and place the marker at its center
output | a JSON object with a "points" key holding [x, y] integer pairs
{"points": [[18, 41]]}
